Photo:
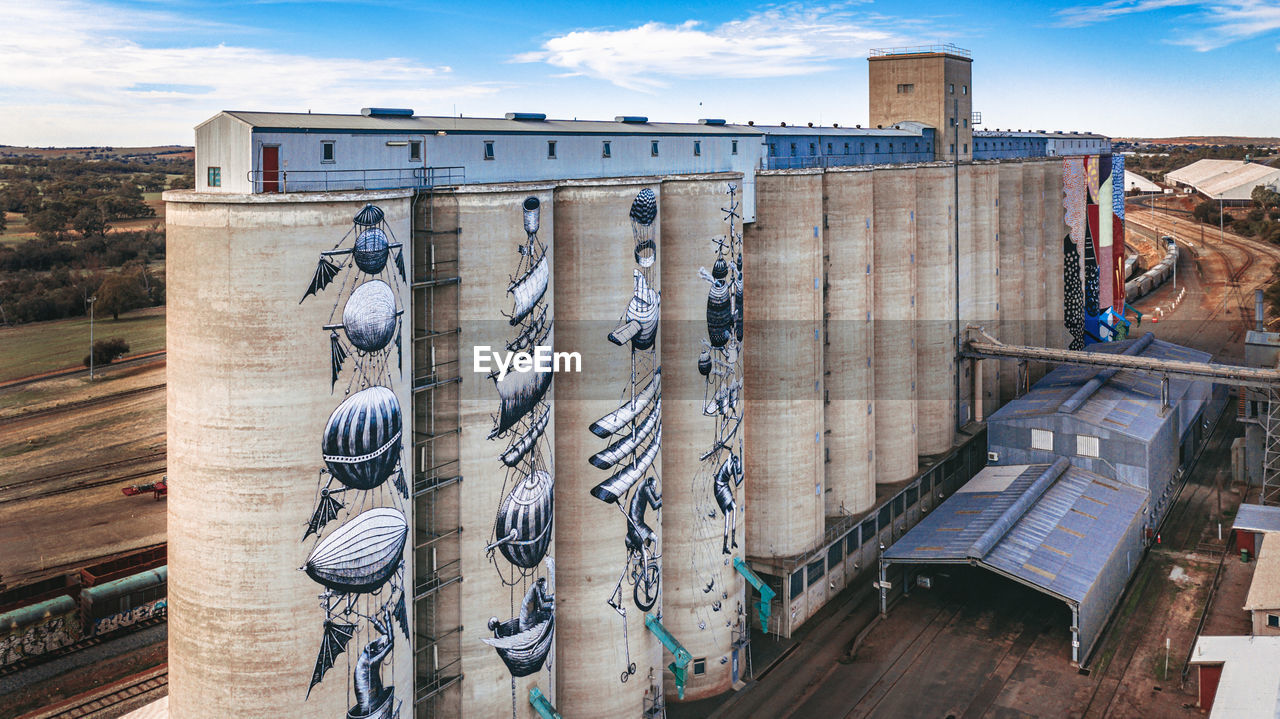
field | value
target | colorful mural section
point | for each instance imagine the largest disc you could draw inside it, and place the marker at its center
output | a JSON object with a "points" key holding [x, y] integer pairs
{"points": [[1093, 200], [359, 525]]}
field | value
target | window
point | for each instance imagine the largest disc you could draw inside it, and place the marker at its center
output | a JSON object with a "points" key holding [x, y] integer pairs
{"points": [[1086, 445], [829, 149], [734, 148], [877, 148], [813, 149], [697, 148], [1273, 620], [835, 554], [797, 584], [1042, 439], [653, 148], [815, 571], [793, 149], [851, 542], [488, 149], [966, 147], [551, 149], [905, 88], [913, 495], [215, 177], [700, 666], [964, 89], [898, 506], [868, 530], [965, 122], [952, 88], [951, 147], [326, 151], [773, 150], [846, 148], [415, 150], [891, 147], [606, 149], [885, 516], [862, 147]]}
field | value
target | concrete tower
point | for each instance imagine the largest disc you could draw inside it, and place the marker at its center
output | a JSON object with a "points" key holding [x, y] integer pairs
{"points": [[930, 85]]}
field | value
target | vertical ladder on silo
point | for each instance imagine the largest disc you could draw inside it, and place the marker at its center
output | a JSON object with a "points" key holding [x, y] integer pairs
{"points": [[1271, 448]]}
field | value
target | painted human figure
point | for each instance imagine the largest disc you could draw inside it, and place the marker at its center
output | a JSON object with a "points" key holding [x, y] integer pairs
{"points": [[639, 534], [727, 477], [371, 695]]}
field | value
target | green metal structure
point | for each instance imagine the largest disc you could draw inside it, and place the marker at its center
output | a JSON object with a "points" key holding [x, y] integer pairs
{"points": [[766, 592], [542, 705], [680, 667]]}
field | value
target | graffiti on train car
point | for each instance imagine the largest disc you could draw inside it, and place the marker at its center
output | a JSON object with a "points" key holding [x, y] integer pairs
{"points": [[54, 633], [130, 617]]}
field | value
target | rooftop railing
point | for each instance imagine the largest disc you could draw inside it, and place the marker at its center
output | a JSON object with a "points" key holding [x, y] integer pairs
{"points": [[365, 179], [948, 48]]}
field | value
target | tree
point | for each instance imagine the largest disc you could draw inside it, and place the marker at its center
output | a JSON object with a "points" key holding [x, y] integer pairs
{"points": [[107, 351], [90, 220], [3, 220], [48, 222], [1265, 197], [184, 182], [121, 293]]}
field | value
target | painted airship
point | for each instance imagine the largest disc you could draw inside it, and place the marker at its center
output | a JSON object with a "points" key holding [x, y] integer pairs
{"points": [[644, 210], [363, 438], [523, 527], [371, 250], [361, 555]]}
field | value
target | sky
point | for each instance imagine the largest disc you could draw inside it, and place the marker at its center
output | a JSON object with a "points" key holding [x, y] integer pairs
{"points": [[130, 73]]}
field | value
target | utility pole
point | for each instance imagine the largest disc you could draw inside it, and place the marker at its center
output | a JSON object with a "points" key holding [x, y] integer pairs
{"points": [[955, 108], [91, 300]]}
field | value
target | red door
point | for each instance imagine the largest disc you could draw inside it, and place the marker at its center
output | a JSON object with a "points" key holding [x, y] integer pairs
{"points": [[270, 168]]}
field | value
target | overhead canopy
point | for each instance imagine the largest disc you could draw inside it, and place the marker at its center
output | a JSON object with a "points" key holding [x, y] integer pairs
{"points": [[1257, 518], [1057, 528]]}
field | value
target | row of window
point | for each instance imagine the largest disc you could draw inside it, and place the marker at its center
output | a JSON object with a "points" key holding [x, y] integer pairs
{"points": [[862, 148], [329, 151], [606, 149], [1086, 445], [906, 88]]}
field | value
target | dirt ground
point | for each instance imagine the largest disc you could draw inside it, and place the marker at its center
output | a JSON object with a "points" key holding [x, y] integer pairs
{"points": [[49, 447]]}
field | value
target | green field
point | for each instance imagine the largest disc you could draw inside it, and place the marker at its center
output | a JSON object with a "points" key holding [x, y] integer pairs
{"points": [[43, 346]]}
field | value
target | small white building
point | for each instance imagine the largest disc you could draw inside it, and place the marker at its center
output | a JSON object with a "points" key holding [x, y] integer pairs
{"points": [[1239, 677], [1133, 182], [256, 152]]}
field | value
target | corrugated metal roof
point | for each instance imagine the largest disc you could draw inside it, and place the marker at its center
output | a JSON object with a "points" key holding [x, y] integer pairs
{"points": [[1248, 686], [901, 129], [1134, 181], [431, 125], [1060, 543], [1201, 170], [1125, 401], [1257, 518], [1264, 588], [1226, 179]]}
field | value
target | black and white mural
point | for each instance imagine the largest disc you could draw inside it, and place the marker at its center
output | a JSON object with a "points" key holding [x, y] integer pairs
{"points": [[634, 431], [359, 525], [716, 485], [523, 636]]}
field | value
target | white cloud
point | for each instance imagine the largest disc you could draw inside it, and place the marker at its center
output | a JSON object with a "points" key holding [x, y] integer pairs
{"points": [[781, 41], [92, 80], [1210, 25]]}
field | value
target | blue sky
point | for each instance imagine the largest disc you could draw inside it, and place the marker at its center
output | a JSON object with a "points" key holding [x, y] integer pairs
{"points": [[84, 72]]}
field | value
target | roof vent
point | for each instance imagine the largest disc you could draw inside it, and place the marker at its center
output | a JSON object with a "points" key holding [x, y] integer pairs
{"points": [[858, 126], [711, 121], [531, 116], [784, 124], [637, 119], [879, 127], [811, 124], [835, 124], [386, 112], [752, 123]]}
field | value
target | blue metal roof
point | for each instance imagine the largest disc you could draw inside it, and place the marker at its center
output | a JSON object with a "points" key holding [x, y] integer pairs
{"points": [[1051, 526], [1257, 518], [1123, 401]]}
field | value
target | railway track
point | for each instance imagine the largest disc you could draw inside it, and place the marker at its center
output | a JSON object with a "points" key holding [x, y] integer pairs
{"points": [[79, 404], [48, 479], [112, 700]]}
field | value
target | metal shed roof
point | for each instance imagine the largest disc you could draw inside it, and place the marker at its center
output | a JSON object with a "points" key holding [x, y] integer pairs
{"points": [[1057, 526], [1248, 686], [1257, 518], [421, 124], [1124, 401]]}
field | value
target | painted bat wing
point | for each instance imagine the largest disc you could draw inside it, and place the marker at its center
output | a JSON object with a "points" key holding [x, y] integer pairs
{"points": [[325, 272], [326, 511], [402, 615], [398, 480], [400, 264], [336, 356], [334, 642]]}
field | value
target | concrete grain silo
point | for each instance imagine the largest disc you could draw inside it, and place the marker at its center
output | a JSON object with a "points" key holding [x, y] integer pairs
{"points": [[986, 280], [935, 308], [782, 274], [1012, 271], [894, 256], [610, 664], [1033, 254], [504, 234], [1054, 233], [702, 600], [847, 357], [252, 391]]}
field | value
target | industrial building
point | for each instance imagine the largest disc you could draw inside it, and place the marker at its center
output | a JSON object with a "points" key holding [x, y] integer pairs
{"points": [[1227, 180], [1001, 144], [1080, 472], [444, 540], [1236, 676]]}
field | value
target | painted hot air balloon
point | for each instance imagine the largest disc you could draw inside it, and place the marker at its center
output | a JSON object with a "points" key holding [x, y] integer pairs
{"points": [[368, 216], [371, 250], [361, 555], [644, 210], [363, 437], [523, 527], [369, 317]]}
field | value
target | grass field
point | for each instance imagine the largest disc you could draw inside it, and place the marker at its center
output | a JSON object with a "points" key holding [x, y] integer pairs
{"points": [[43, 346]]}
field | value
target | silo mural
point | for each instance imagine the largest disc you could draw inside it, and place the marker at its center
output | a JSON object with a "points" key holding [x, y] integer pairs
{"points": [[522, 530], [359, 526], [717, 482], [1073, 203], [634, 430]]}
